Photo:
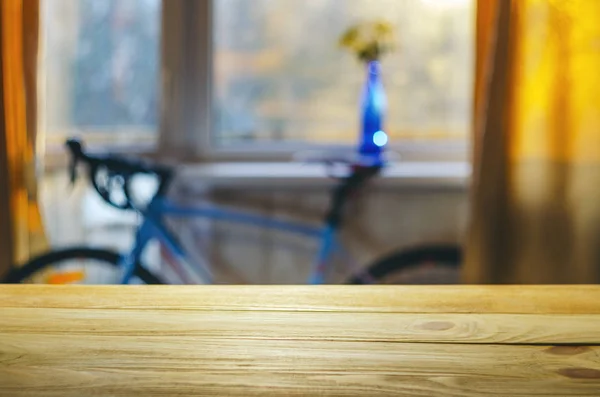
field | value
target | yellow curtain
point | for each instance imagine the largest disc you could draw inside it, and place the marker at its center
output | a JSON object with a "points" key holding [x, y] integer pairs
{"points": [[536, 199], [21, 230]]}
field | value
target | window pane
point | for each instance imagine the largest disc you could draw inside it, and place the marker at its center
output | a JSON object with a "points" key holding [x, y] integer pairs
{"points": [[280, 75], [101, 69]]}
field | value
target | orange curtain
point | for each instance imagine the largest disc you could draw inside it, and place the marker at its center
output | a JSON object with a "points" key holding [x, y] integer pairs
{"points": [[22, 234], [536, 199]]}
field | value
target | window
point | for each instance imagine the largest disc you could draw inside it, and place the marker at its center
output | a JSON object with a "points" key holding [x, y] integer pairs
{"points": [[280, 78], [100, 63], [277, 76]]}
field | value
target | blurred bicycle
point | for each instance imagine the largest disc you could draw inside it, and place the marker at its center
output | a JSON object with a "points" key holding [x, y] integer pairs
{"points": [[111, 177]]}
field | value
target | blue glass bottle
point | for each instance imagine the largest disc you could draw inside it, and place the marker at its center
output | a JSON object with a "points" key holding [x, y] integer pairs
{"points": [[373, 108]]}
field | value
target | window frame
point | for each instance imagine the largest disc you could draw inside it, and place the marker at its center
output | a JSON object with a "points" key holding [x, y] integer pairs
{"points": [[187, 107]]}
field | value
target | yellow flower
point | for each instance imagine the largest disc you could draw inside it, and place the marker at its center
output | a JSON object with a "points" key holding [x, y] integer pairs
{"points": [[370, 40], [350, 37], [383, 28]]}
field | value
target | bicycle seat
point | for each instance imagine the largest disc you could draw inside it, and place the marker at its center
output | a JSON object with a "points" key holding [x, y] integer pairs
{"points": [[348, 157]]}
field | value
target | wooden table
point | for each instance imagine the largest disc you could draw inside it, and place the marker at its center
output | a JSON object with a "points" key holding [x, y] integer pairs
{"points": [[346, 341]]}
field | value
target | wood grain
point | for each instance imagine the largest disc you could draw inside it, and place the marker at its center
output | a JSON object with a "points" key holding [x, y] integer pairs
{"points": [[324, 326], [329, 341], [377, 299]]}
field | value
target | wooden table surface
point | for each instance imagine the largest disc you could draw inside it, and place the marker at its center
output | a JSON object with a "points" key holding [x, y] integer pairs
{"points": [[342, 341]]}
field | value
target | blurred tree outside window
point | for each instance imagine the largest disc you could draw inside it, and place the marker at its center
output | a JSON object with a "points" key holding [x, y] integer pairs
{"points": [[280, 76], [101, 61]]}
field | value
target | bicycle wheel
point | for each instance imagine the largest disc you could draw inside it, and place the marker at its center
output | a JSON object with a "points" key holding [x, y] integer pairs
{"points": [[428, 265], [76, 265]]}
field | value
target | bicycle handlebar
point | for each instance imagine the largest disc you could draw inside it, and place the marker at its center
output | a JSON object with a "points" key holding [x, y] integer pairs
{"points": [[119, 171]]}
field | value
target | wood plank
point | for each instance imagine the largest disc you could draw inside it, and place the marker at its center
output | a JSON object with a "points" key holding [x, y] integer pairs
{"points": [[323, 326], [392, 299], [164, 365], [329, 341]]}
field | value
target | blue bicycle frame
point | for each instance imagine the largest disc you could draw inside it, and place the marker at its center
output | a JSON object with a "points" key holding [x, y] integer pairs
{"points": [[154, 228]]}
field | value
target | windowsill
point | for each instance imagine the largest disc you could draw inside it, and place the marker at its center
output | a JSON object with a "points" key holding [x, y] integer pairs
{"points": [[445, 175]]}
